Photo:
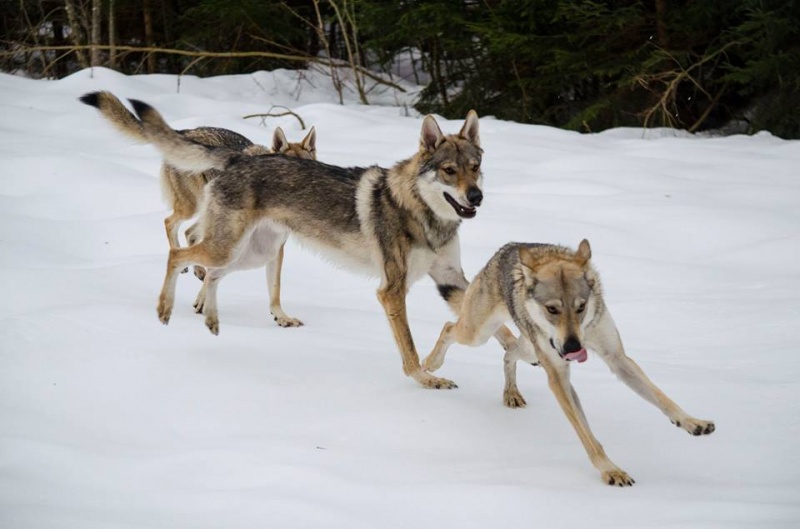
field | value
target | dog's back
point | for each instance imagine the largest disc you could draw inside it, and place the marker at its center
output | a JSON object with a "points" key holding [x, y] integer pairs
{"points": [[183, 188]]}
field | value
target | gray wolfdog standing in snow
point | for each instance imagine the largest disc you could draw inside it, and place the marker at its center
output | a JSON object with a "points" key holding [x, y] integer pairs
{"points": [[184, 189], [399, 223]]}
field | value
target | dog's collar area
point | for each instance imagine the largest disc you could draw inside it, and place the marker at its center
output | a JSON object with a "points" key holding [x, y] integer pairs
{"points": [[461, 211]]}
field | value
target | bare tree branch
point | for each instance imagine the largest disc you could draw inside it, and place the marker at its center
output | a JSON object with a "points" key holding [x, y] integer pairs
{"points": [[269, 114], [208, 55]]}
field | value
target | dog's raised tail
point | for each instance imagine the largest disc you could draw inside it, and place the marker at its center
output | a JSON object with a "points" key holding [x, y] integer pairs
{"points": [[115, 112], [179, 151]]}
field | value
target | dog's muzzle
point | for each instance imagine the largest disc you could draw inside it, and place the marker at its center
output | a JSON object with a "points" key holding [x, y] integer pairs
{"points": [[462, 211], [572, 351]]}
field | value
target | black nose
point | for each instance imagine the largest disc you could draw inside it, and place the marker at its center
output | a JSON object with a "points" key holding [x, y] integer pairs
{"points": [[572, 345], [474, 196]]}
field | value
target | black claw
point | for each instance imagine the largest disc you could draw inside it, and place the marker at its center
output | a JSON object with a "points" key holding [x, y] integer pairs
{"points": [[610, 481], [678, 424]]}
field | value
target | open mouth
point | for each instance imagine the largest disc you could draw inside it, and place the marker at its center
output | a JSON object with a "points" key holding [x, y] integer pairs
{"points": [[461, 211]]}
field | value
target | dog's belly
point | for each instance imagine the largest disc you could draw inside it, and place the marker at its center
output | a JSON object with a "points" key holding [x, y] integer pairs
{"points": [[361, 256], [259, 247], [350, 252]]}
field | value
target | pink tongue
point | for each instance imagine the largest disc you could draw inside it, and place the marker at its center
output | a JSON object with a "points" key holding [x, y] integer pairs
{"points": [[580, 356]]}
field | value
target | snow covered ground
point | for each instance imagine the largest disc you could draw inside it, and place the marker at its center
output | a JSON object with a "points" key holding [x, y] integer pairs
{"points": [[110, 420]]}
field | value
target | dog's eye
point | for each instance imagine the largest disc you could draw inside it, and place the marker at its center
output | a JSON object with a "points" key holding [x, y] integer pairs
{"points": [[581, 308], [552, 310], [450, 171], [476, 168]]}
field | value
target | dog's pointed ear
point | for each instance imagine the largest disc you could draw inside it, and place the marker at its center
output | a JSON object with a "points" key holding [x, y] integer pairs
{"points": [[470, 129], [431, 136], [279, 142], [309, 143], [584, 253]]}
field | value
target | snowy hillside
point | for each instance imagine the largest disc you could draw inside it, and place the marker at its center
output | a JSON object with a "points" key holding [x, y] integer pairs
{"points": [[109, 419]]}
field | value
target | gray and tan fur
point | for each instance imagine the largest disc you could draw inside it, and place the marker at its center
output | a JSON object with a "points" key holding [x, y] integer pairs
{"points": [[183, 190], [399, 223], [554, 296]]}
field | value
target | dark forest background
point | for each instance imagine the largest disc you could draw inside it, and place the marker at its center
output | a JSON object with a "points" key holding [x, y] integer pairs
{"points": [[587, 65]]}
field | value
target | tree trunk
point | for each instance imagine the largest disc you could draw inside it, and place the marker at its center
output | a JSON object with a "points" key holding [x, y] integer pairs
{"points": [[148, 36], [75, 32], [96, 31], [112, 37]]}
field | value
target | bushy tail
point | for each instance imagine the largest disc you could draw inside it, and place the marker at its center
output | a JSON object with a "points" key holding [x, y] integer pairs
{"points": [[179, 151], [115, 112]]}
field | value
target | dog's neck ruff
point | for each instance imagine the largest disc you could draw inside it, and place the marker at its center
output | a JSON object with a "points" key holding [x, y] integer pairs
{"points": [[404, 192]]}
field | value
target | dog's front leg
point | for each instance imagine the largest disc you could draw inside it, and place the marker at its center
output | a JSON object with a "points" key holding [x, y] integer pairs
{"points": [[604, 339], [392, 295], [449, 277], [558, 380]]}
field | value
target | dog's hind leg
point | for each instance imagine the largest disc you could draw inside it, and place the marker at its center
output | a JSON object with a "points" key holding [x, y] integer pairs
{"points": [[604, 339], [179, 258], [274, 267], [209, 292], [171, 225], [558, 379], [192, 236]]}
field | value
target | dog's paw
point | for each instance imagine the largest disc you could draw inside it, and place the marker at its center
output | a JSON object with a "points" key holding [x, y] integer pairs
{"points": [[696, 427], [618, 477], [164, 310], [199, 272], [213, 325], [286, 321], [431, 382], [512, 398], [200, 301]]}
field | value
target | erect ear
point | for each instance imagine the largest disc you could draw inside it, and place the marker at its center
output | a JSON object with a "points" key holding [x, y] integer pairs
{"points": [[470, 129], [279, 143], [309, 143], [431, 136], [584, 253]]}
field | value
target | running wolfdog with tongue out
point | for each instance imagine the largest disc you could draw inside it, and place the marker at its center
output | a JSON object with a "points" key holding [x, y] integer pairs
{"points": [[554, 296], [399, 223]]}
